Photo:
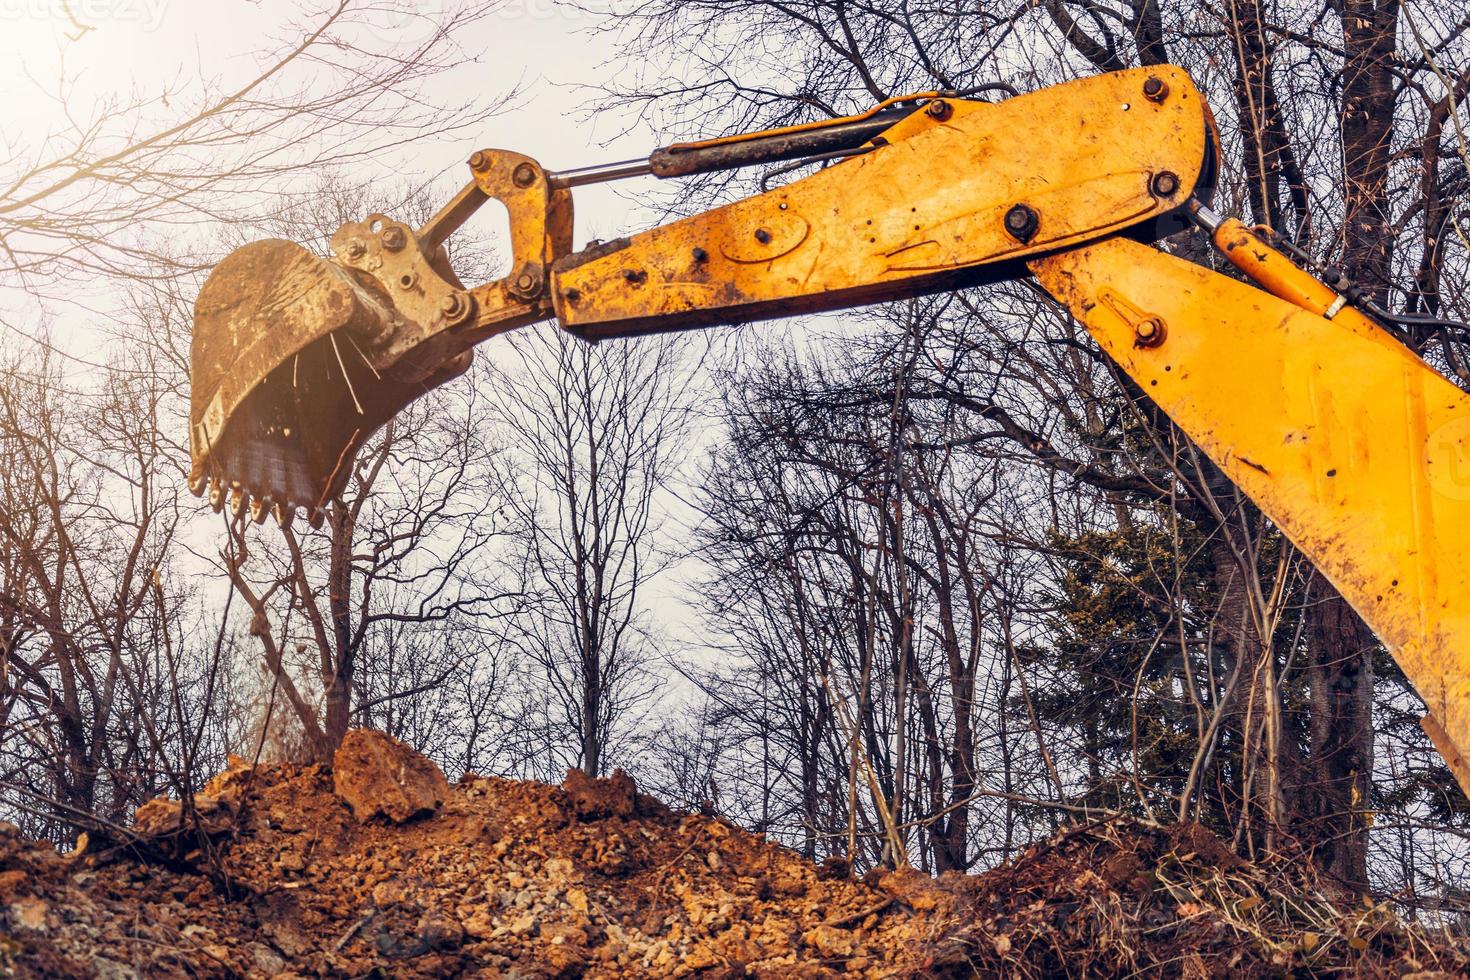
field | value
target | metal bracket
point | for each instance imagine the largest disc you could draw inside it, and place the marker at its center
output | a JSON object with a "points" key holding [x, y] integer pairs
{"points": [[389, 252], [438, 318]]}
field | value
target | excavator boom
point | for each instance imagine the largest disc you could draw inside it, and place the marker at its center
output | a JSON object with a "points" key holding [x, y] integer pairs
{"points": [[1353, 445], [297, 360]]}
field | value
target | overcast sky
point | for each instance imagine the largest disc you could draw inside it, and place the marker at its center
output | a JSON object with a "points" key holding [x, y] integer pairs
{"points": [[116, 49], [62, 61]]}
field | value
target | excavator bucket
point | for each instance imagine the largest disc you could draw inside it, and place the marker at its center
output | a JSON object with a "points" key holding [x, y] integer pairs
{"points": [[283, 393]]}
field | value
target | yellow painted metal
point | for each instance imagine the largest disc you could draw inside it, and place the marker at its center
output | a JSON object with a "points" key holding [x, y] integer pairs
{"points": [[1253, 255], [540, 233], [924, 212], [1357, 449]]}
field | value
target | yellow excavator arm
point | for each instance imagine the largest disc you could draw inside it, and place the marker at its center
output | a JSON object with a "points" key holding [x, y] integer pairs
{"points": [[1348, 441]]}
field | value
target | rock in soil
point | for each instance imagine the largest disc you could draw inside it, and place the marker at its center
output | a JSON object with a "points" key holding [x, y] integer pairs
{"points": [[377, 775], [323, 873]]}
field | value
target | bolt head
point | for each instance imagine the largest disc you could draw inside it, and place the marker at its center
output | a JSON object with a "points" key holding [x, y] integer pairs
{"points": [[479, 160], [700, 255], [356, 249], [939, 109], [1021, 222], [1149, 333], [524, 176], [1165, 183], [763, 236], [393, 238], [1155, 89]]}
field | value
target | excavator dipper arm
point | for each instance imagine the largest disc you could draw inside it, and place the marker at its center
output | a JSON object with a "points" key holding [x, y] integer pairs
{"points": [[1350, 443]]}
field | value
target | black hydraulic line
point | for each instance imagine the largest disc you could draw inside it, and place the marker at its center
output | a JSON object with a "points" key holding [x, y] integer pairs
{"points": [[676, 161], [824, 142], [819, 158]]}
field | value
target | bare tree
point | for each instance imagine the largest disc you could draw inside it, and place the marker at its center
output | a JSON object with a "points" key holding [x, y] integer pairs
{"points": [[403, 564], [594, 434], [123, 672], [105, 195], [111, 689]]}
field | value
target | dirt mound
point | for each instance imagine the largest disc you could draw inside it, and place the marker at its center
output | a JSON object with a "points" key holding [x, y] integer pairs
{"points": [[508, 879], [1121, 898]]}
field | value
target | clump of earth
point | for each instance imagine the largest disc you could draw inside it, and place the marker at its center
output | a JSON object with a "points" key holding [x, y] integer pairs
{"points": [[377, 866]]}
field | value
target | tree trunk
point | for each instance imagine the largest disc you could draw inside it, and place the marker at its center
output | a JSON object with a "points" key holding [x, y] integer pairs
{"points": [[338, 686], [1341, 679], [1341, 646], [591, 713]]}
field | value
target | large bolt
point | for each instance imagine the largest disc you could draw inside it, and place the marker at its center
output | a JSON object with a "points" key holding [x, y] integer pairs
{"points": [[528, 283], [479, 160], [393, 238], [1022, 222], [454, 306], [524, 176], [1155, 89], [1149, 333], [939, 109], [1165, 183]]}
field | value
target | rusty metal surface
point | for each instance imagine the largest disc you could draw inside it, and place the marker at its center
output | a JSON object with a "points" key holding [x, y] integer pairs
{"points": [[282, 393], [925, 212], [1353, 446], [424, 301], [297, 360]]}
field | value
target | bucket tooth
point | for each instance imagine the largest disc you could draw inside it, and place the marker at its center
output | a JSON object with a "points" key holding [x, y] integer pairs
{"points": [[292, 370], [277, 376]]}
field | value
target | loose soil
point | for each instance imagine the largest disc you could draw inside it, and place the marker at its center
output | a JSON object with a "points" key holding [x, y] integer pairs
{"points": [[380, 868]]}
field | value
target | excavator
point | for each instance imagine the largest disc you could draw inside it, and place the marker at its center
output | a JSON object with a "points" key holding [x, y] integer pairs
{"points": [[1295, 384]]}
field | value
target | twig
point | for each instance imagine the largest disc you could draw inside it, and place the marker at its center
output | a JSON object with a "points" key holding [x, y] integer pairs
{"points": [[860, 915], [356, 926]]}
